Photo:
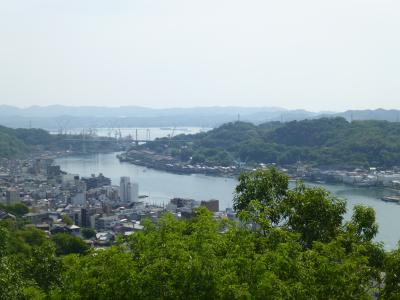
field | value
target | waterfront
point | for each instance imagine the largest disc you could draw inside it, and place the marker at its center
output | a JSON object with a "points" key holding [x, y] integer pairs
{"points": [[143, 133], [161, 186]]}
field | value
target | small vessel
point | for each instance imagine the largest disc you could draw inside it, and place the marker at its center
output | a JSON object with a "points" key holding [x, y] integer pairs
{"points": [[395, 199]]}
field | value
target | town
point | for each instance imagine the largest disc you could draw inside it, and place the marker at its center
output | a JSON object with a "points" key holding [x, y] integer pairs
{"points": [[59, 202], [360, 177]]}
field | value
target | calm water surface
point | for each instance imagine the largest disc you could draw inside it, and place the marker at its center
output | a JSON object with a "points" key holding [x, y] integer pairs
{"points": [[162, 186]]}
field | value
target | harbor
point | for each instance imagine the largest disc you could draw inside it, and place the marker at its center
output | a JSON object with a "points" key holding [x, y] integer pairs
{"points": [[162, 186]]}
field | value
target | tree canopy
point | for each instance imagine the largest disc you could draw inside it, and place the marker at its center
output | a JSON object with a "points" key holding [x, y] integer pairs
{"points": [[319, 142], [287, 244], [18, 142]]}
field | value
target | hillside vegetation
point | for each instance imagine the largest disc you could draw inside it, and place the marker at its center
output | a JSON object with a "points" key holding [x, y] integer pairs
{"points": [[319, 142], [290, 244], [18, 142], [14, 142]]}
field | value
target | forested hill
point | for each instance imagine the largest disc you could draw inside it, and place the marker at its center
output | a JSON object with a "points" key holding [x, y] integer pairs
{"points": [[18, 141], [320, 142]]}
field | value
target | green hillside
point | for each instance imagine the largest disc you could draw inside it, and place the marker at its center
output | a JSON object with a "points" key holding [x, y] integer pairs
{"points": [[319, 142], [14, 142], [10, 145], [17, 142]]}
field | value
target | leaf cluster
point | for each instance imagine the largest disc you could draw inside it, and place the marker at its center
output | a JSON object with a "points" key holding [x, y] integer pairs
{"points": [[289, 244]]}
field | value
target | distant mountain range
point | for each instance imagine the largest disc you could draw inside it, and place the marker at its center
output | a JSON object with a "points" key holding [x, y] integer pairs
{"points": [[58, 117]]}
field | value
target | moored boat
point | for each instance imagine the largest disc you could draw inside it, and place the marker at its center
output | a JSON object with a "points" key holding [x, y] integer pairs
{"points": [[395, 199]]}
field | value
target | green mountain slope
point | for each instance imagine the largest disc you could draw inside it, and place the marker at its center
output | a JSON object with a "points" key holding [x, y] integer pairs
{"points": [[10, 145], [14, 142], [320, 142]]}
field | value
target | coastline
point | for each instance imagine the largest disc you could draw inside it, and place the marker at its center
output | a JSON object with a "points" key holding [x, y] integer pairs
{"points": [[175, 167], [171, 165]]}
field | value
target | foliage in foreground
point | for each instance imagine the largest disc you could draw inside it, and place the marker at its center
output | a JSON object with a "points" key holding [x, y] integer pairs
{"points": [[289, 244]]}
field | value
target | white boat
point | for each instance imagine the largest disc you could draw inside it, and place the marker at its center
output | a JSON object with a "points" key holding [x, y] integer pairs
{"points": [[395, 199]]}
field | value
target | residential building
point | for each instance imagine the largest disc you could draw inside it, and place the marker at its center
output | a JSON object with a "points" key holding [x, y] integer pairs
{"points": [[12, 196]]}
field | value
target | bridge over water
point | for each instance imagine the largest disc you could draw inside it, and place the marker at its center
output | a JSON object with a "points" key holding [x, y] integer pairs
{"points": [[89, 137]]}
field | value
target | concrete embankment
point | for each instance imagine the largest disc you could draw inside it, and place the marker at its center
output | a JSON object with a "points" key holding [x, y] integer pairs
{"points": [[169, 164]]}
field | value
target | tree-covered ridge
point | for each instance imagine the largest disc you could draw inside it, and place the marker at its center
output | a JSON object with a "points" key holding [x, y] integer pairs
{"points": [[10, 145], [319, 142], [18, 141], [289, 244]]}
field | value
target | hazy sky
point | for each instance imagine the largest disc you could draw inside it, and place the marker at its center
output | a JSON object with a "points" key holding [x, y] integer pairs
{"points": [[313, 54]]}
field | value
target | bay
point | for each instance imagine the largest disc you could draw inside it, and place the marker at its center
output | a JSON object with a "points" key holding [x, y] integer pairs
{"points": [[161, 186]]}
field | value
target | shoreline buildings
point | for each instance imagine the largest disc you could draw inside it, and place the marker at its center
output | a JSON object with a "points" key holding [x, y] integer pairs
{"points": [[129, 192]]}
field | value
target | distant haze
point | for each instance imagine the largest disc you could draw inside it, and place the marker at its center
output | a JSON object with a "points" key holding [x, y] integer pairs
{"points": [[311, 54], [61, 118]]}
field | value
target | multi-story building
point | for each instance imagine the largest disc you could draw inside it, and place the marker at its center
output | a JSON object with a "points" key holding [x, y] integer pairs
{"points": [[134, 192], [129, 192], [212, 205], [125, 189], [12, 196], [96, 181]]}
